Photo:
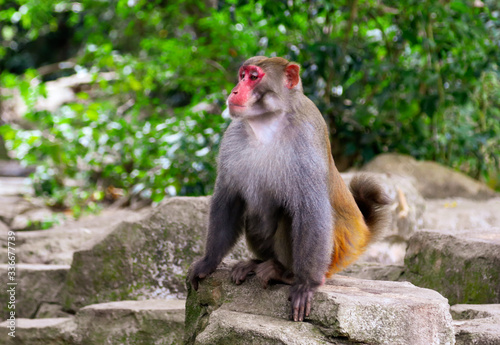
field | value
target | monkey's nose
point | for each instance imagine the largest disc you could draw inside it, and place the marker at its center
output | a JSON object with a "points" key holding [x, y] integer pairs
{"points": [[235, 92]]}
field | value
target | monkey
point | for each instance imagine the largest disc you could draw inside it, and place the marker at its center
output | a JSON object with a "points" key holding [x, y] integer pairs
{"points": [[277, 185]]}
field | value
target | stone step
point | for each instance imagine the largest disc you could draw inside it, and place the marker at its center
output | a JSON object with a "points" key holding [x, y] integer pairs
{"points": [[59, 331], [145, 322], [476, 323], [115, 323], [36, 283], [345, 310]]}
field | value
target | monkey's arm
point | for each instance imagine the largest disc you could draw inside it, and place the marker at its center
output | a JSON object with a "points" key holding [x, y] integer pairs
{"points": [[224, 228], [312, 227]]}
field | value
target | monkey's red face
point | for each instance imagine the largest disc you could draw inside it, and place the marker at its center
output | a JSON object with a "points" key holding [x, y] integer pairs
{"points": [[244, 95], [264, 89]]}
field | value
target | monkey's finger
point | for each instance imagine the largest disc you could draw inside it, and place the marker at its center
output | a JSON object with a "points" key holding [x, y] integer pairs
{"points": [[303, 301], [296, 308], [308, 304], [264, 283], [196, 279], [238, 277], [295, 312], [235, 278]]}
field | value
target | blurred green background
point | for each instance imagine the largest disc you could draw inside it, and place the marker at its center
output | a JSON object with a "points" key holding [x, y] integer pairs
{"points": [[149, 79]]}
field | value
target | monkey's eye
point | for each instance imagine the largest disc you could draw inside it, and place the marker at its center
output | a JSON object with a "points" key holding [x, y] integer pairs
{"points": [[254, 76], [242, 75]]}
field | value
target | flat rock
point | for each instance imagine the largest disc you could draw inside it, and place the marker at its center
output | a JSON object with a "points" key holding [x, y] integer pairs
{"points": [[432, 179], [35, 284], [59, 331], [345, 310], [477, 324], [464, 267]]}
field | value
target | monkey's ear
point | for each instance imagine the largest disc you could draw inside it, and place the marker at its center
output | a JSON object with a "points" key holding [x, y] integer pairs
{"points": [[292, 75]]}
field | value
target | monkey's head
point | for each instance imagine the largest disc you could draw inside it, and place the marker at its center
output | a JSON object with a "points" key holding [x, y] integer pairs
{"points": [[265, 86]]}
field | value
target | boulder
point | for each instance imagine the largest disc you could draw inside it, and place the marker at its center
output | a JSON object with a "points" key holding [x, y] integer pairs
{"points": [[345, 311], [432, 179], [476, 324], [464, 267], [144, 259], [35, 284]]}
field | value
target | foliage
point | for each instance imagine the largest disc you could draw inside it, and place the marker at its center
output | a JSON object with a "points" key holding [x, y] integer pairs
{"points": [[417, 77]]}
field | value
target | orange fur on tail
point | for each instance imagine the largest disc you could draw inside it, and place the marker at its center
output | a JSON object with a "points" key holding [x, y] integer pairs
{"points": [[360, 215]]}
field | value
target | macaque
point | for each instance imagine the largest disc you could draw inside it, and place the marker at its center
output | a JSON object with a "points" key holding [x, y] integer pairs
{"points": [[277, 184]]}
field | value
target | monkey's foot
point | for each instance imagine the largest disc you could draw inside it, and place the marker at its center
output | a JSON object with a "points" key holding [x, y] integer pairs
{"points": [[242, 270], [273, 270]]}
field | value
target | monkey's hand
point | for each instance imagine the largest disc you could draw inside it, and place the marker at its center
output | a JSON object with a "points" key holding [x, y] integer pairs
{"points": [[301, 297], [200, 270]]}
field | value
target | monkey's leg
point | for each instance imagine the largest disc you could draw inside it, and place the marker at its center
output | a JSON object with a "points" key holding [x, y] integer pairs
{"points": [[243, 269], [273, 270]]}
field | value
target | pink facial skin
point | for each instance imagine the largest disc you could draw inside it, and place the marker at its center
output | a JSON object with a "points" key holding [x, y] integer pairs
{"points": [[249, 77]]}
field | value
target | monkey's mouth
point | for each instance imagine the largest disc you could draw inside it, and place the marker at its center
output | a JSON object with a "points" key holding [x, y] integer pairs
{"points": [[232, 105]]}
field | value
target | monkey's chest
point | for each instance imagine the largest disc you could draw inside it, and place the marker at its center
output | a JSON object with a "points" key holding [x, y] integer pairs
{"points": [[259, 175]]}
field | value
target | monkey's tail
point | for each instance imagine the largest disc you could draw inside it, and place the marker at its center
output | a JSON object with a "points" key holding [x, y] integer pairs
{"points": [[355, 229], [372, 201]]}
